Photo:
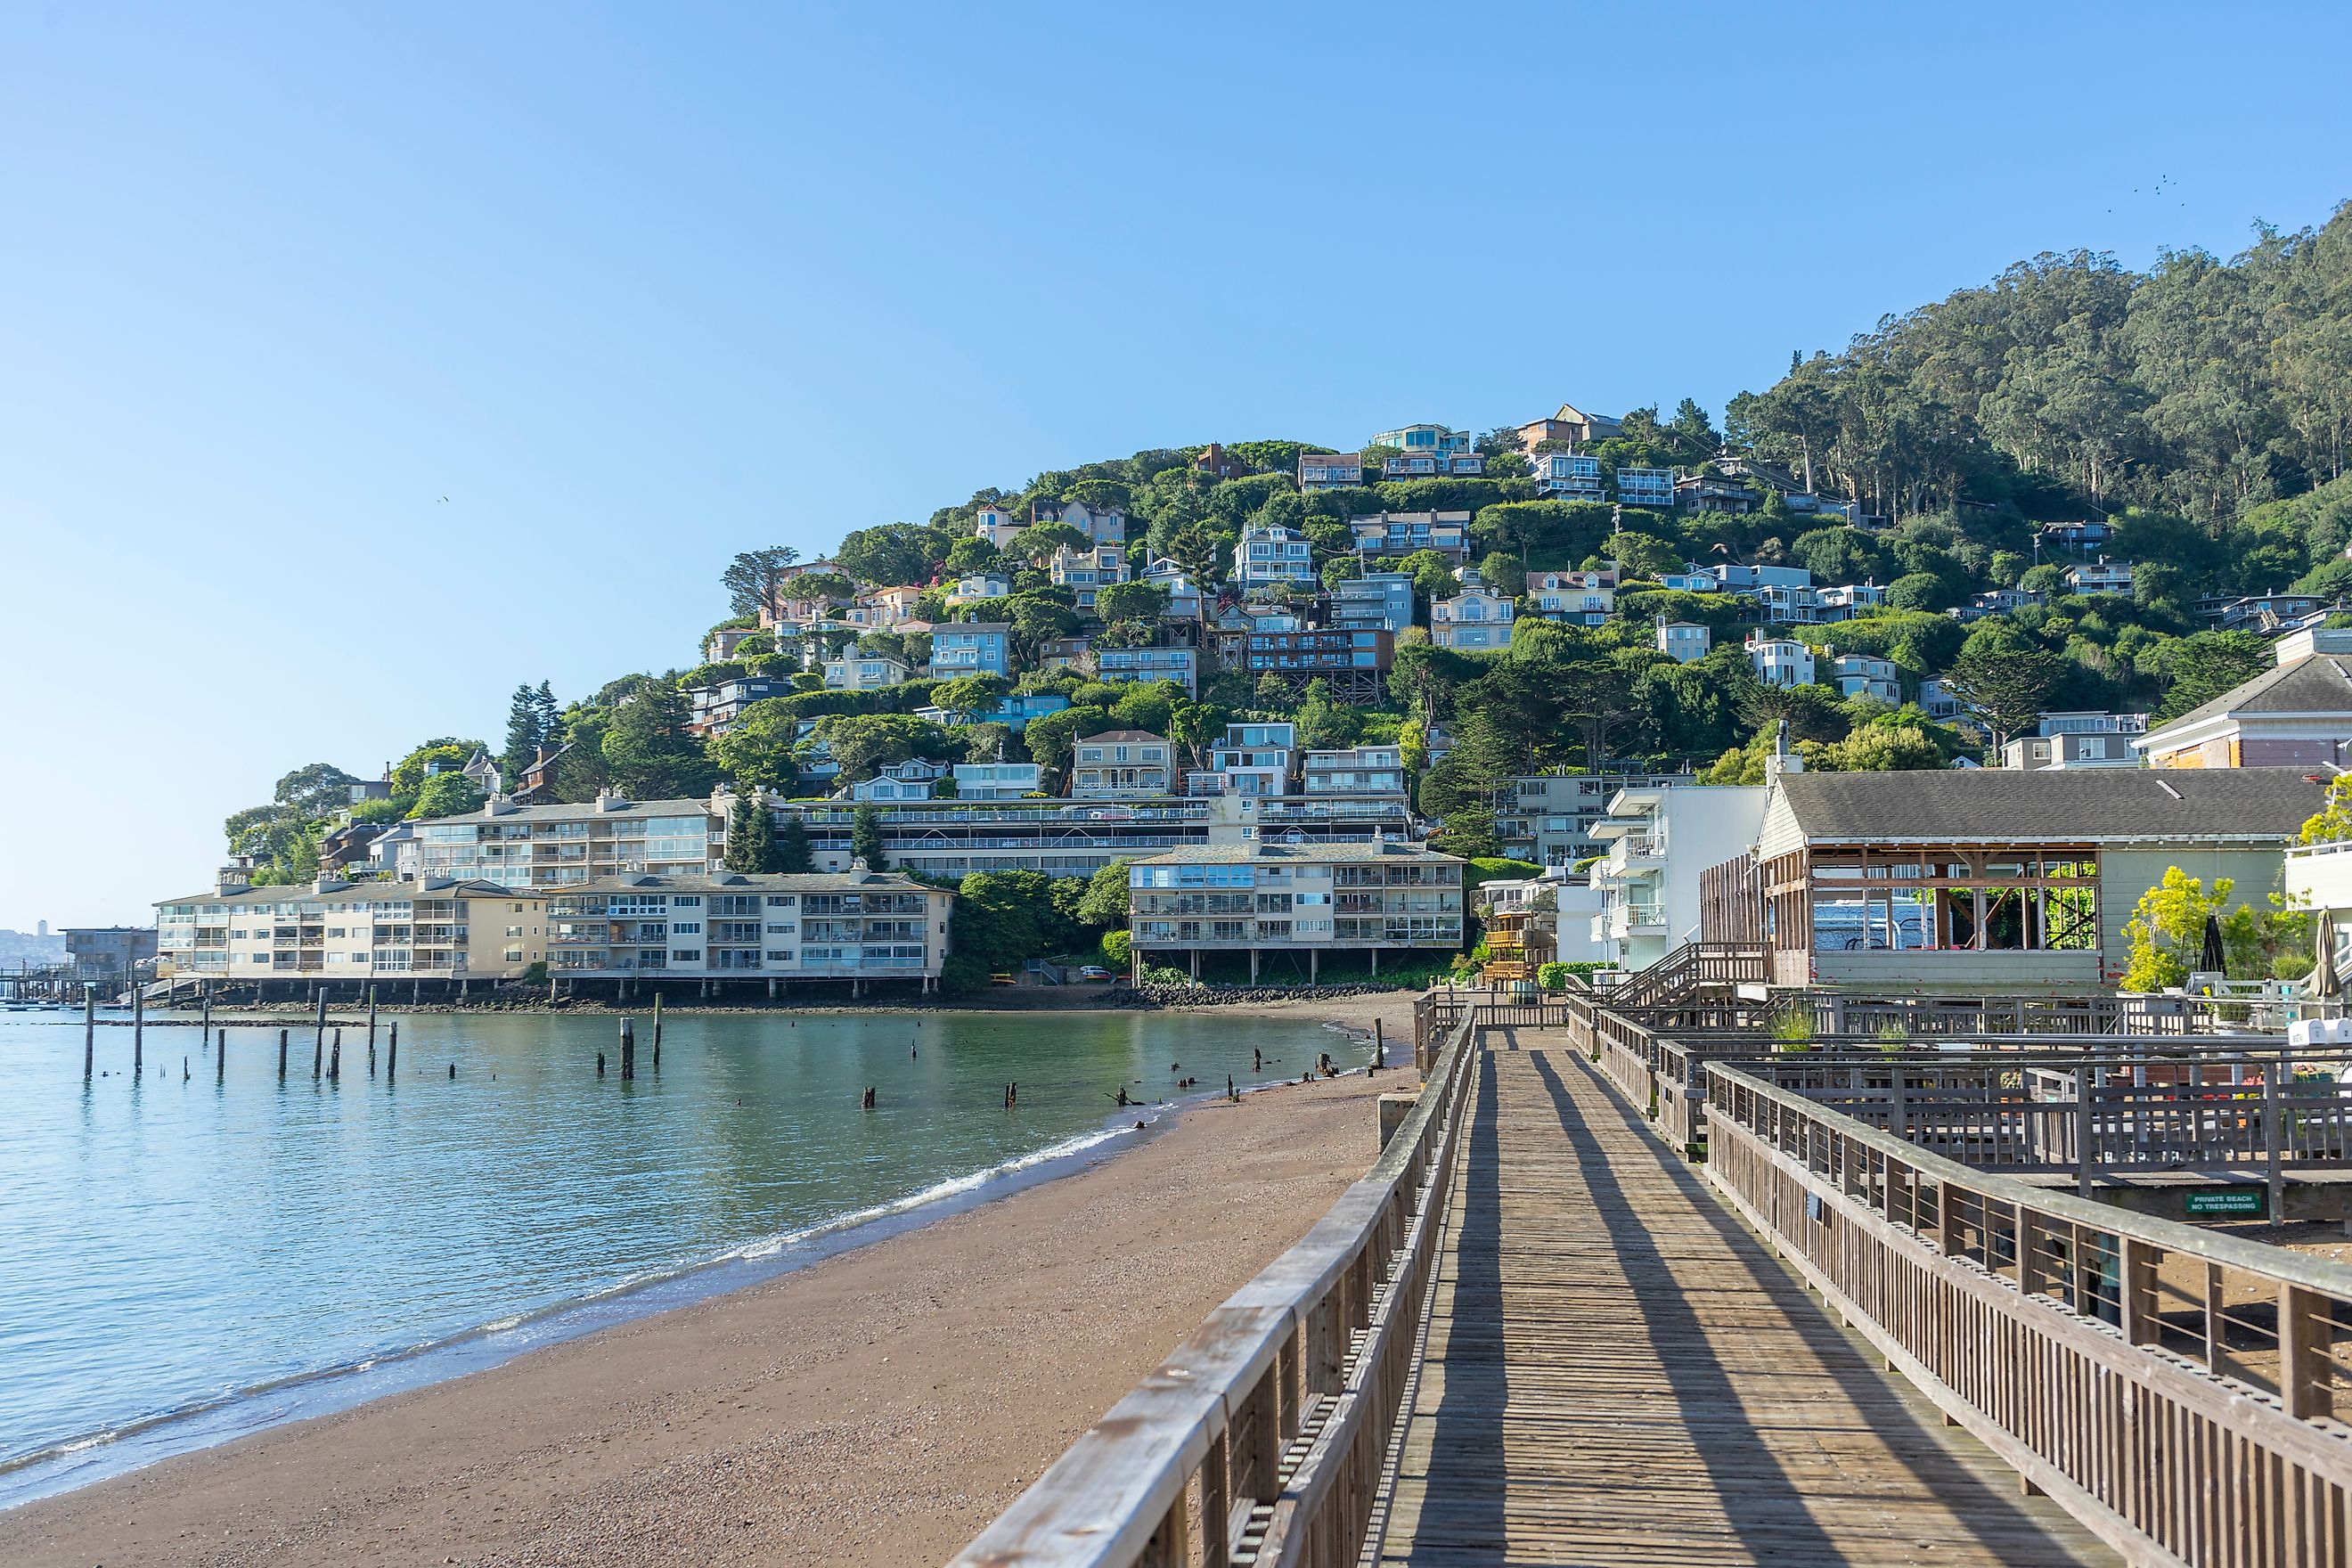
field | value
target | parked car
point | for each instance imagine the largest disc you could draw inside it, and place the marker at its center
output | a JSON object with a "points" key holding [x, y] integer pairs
{"points": [[1094, 973]]}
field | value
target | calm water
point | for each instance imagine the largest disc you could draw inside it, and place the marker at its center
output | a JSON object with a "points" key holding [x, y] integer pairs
{"points": [[181, 1262]]}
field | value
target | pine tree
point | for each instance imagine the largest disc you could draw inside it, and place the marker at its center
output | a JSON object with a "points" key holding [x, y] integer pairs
{"points": [[793, 848], [524, 733], [550, 714], [865, 838], [750, 836]]}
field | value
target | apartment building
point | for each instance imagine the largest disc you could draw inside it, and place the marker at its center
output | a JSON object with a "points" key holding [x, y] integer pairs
{"points": [[1475, 619], [1123, 764], [1646, 486], [1684, 641], [1355, 662], [1267, 554], [1577, 598], [328, 931], [1329, 470], [855, 671], [1399, 533], [551, 845], [1293, 901], [1377, 601], [1181, 665], [1660, 843], [859, 926], [1549, 818], [972, 648], [1353, 771], [1432, 466]]}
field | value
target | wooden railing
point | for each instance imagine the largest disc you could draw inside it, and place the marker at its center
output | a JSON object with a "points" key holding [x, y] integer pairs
{"points": [[1266, 1436], [2176, 1389], [1691, 967]]}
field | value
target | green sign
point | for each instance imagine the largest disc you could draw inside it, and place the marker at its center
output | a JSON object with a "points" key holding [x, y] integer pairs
{"points": [[2228, 1200]]}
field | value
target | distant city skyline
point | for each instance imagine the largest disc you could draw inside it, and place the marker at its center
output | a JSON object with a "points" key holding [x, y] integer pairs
{"points": [[634, 291]]}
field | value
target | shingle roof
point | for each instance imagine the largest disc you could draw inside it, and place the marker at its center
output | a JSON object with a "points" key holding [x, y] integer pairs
{"points": [[2053, 805], [1128, 737], [2321, 683]]}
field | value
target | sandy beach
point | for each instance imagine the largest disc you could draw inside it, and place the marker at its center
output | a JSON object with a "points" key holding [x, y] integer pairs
{"points": [[877, 1407]]}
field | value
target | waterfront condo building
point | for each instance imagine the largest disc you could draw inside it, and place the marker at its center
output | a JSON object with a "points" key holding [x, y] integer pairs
{"points": [[1293, 901], [329, 930], [551, 846], [858, 925]]}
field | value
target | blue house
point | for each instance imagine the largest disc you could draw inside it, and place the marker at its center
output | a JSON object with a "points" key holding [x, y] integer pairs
{"points": [[972, 648]]}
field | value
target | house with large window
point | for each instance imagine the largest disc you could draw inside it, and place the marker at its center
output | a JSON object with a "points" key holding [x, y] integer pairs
{"points": [[972, 648], [1117, 666], [1569, 423], [1330, 471], [1377, 601], [1399, 533], [1779, 661], [1578, 598], [1267, 554], [1566, 476], [855, 671], [1293, 904], [1988, 880], [1085, 572], [1354, 661], [1475, 619], [1646, 486], [1123, 764]]}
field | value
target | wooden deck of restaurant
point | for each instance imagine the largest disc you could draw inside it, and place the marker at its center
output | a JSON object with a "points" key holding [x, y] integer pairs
{"points": [[1618, 1370]]}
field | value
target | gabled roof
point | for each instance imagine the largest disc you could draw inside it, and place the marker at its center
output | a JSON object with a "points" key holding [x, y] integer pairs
{"points": [[2320, 683], [1995, 805]]}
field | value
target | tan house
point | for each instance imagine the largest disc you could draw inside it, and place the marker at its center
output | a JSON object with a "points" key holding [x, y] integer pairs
{"points": [[1123, 764], [1569, 423], [2296, 714], [330, 931]]}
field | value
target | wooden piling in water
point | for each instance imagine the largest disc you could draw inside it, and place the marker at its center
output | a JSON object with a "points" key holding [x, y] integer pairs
{"points": [[371, 1031], [88, 1030], [392, 1053], [319, 1046], [138, 1030], [600, 1064], [1379, 1046], [281, 1054], [335, 1062], [205, 995], [220, 1057], [319, 1055], [656, 1028], [628, 1050]]}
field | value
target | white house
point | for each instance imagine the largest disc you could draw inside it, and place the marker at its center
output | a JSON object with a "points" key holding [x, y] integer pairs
{"points": [[995, 781], [1567, 476], [996, 525], [1085, 572], [1780, 661], [1646, 486], [1660, 841], [2101, 576], [1476, 617], [909, 780], [1862, 675], [1269, 552], [1184, 594], [979, 587]]}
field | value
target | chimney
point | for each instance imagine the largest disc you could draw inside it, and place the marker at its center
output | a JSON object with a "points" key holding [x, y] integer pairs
{"points": [[1782, 762], [232, 880]]}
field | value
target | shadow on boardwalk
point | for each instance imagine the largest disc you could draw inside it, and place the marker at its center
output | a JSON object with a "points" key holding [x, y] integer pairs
{"points": [[1620, 1373]]}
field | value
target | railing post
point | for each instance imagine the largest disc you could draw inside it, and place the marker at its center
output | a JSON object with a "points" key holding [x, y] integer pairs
{"points": [[2274, 1177], [2136, 1284], [2306, 1381], [1169, 1546], [1216, 1503]]}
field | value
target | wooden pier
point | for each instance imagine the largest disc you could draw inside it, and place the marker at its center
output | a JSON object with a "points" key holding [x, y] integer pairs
{"points": [[1619, 1371]]}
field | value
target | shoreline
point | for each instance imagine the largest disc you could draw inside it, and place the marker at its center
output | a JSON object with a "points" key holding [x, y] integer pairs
{"points": [[1321, 1135]]}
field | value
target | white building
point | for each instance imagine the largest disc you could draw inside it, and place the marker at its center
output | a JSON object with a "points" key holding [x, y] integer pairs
{"points": [[855, 671], [1659, 840], [1862, 675], [909, 780], [1646, 486], [1085, 572], [1566, 476], [1269, 554], [2100, 577], [1779, 661], [1475, 619], [1251, 760], [1184, 594], [996, 525], [995, 781], [1354, 770], [1329, 470]]}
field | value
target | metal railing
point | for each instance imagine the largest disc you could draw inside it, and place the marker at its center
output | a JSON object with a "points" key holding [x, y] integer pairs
{"points": [[1271, 1425], [2175, 1388]]}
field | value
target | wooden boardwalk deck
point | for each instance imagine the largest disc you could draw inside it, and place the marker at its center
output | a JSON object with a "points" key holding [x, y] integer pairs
{"points": [[1620, 1372]]}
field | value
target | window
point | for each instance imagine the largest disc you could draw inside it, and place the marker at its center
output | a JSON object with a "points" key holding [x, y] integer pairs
{"points": [[514, 955], [513, 932], [686, 928], [685, 955]]}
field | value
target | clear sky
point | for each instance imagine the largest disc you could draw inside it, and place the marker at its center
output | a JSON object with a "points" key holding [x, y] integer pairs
{"points": [[636, 287]]}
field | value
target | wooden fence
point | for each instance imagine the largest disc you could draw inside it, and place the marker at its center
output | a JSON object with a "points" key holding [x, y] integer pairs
{"points": [[2176, 1388], [1266, 1436]]}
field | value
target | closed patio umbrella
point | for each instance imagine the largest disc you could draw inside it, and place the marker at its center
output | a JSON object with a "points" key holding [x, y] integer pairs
{"points": [[2325, 981], [2212, 960]]}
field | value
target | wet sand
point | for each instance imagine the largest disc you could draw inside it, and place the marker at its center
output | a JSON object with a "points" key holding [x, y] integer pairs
{"points": [[877, 1407]]}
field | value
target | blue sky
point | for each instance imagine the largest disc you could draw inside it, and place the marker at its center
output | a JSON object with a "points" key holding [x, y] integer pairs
{"points": [[638, 286]]}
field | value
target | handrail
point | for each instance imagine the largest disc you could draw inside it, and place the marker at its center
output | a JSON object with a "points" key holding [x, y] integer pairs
{"points": [[1212, 1426], [2174, 1387]]}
